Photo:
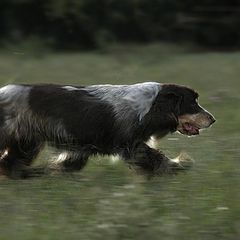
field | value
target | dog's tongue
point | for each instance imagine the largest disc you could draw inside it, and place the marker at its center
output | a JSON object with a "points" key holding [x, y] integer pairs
{"points": [[192, 130]]}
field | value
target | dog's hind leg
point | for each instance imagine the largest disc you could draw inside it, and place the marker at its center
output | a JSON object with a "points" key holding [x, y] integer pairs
{"points": [[16, 155], [70, 161]]}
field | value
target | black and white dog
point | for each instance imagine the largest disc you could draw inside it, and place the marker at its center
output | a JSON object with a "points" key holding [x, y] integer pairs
{"points": [[98, 119]]}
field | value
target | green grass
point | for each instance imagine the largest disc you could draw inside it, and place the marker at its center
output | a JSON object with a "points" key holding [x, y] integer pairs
{"points": [[110, 201]]}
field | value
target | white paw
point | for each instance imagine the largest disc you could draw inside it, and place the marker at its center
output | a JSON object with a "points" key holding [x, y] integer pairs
{"points": [[183, 160]]}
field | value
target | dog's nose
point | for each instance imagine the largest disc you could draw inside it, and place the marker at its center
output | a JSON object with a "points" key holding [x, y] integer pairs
{"points": [[211, 119]]}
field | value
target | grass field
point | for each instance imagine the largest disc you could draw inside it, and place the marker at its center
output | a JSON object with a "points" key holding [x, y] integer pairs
{"points": [[107, 200]]}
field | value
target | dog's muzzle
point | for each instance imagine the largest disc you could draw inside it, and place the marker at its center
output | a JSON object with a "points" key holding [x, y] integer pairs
{"points": [[191, 124]]}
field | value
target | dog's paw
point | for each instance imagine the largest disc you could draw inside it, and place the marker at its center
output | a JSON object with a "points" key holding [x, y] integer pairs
{"points": [[182, 161]]}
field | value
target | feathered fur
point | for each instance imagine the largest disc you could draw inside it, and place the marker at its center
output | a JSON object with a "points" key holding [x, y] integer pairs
{"points": [[81, 121]]}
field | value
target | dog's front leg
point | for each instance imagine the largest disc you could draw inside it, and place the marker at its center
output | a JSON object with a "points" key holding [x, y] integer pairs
{"points": [[149, 160]]}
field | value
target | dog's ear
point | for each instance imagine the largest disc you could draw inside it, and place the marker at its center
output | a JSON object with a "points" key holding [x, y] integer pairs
{"points": [[174, 101]]}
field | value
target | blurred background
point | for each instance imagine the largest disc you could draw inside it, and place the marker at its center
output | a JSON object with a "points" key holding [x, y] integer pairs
{"points": [[194, 43], [88, 24]]}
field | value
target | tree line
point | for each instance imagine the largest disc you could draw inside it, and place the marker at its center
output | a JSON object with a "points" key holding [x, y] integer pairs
{"points": [[74, 24]]}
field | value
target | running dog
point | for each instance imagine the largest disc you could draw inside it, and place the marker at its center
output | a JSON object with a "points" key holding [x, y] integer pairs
{"points": [[82, 121]]}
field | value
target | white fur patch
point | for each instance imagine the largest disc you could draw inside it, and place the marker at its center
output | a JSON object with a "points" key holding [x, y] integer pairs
{"points": [[13, 99], [152, 142], [12, 91], [115, 158], [183, 160], [62, 157], [70, 88], [3, 154], [129, 101]]}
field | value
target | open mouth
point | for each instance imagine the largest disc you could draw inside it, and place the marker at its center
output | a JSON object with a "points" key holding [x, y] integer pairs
{"points": [[188, 129]]}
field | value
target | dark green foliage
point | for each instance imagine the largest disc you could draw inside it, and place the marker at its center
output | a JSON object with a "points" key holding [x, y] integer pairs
{"points": [[71, 24]]}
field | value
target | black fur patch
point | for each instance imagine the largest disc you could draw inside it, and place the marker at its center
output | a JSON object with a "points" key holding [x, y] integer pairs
{"points": [[88, 120]]}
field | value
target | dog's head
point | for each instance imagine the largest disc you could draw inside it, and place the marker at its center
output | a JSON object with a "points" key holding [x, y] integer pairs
{"points": [[190, 116]]}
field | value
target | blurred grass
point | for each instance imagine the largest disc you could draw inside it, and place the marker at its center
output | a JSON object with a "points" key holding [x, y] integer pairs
{"points": [[110, 201]]}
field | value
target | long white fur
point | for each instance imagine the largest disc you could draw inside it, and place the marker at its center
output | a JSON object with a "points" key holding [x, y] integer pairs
{"points": [[70, 88], [129, 101]]}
